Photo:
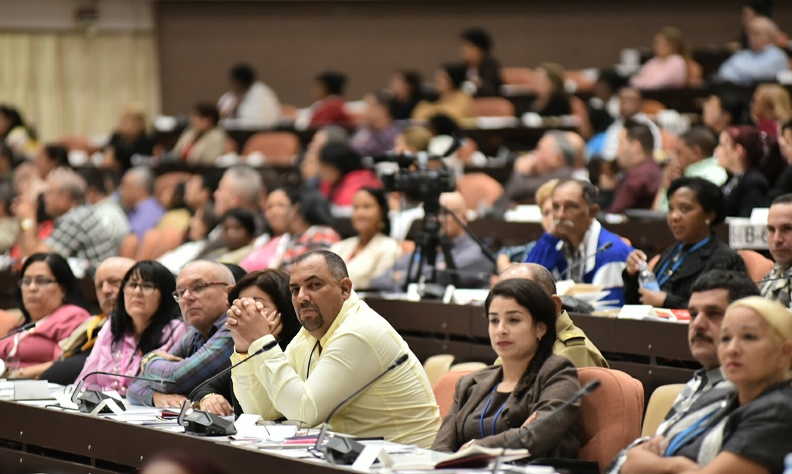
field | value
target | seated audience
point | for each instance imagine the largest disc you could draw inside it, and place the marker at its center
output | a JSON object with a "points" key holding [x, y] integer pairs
{"points": [[240, 187], [377, 133], [136, 192], [531, 383], [128, 139], [453, 101], [77, 346], [630, 108], [355, 345], [695, 208], [777, 285], [471, 268], [146, 318], [517, 253], [195, 241], [106, 207], [9, 226], [640, 173], [783, 184], [406, 90], [269, 254], [571, 342], [239, 231], [270, 289], [309, 167], [573, 249], [330, 107], [341, 174], [203, 141], [49, 157], [558, 155], [723, 109], [740, 151], [483, 70], [692, 157], [78, 231], [199, 189], [668, 67], [770, 108], [309, 226], [711, 294], [15, 133], [50, 298], [202, 294], [552, 99], [412, 140], [369, 253], [761, 62], [250, 103], [750, 432]]}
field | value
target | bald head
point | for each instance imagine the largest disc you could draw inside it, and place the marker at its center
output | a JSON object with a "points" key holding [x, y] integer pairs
{"points": [[203, 288], [455, 203], [530, 271], [213, 271], [761, 33], [107, 281]]}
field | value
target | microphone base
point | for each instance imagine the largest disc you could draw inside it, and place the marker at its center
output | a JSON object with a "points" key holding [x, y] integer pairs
{"points": [[90, 399], [341, 450], [202, 423]]}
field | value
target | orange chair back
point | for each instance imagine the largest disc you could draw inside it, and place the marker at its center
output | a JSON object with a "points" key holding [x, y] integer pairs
{"points": [[479, 189], [444, 390], [279, 148], [611, 415], [492, 107], [757, 264]]}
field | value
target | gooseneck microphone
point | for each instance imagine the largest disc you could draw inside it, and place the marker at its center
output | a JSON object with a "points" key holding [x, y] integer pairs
{"points": [[208, 424], [90, 399], [340, 449], [566, 274], [18, 329]]}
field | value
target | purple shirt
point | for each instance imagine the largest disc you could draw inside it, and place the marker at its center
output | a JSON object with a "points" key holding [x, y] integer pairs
{"points": [[146, 215], [369, 141]]}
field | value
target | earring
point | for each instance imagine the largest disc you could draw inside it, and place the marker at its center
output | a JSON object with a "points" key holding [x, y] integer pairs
{"points": [[707, 222]]}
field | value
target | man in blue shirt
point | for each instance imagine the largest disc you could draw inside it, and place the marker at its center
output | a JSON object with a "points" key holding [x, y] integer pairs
{"points": [[577, 247], [762, 62]]}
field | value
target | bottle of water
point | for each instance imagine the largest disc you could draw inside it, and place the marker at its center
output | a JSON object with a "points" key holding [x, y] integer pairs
{"points": [[788, 464], [646, 278]]}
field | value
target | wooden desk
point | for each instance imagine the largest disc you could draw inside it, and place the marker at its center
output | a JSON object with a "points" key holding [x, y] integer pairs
{"points": [[654, 352], [36, 439]]}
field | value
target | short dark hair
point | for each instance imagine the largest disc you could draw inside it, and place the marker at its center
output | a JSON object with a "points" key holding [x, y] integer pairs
{"points": [[737, 283], [94, 179], [245, 217], [333, 82], [701, 137], [589, 191], [442, 124], [733, 102], [786, 126], [478, 37], [244, 74], [121, 323], [708, 195], [382, 204], [414, 82], [275, 283], [311, 205], [208, 111], [531, 296], [753, 141], [782, 199], [334, 262], [63, 276], [340, 156], [457, 73], [57, 153], [642, 133]]}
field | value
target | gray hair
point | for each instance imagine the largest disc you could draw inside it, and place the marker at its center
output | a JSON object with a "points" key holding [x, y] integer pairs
{"points": [[221, 271], [589, 191], [67, 180], [144, 176], [247, 182]]}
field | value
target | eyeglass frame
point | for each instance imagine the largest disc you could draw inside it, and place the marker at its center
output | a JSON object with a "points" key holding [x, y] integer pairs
{"points": [[196, 289], [44, 281], [146, 290]]}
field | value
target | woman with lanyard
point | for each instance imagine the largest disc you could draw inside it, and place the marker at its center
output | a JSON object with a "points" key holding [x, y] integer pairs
{"points": [[502, 406], [694, 208], [50, 297], [750, 432]]}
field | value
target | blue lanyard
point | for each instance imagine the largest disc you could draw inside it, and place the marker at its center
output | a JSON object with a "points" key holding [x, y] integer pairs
{"points": [[486, 410], [687, 434], [677, 257]]}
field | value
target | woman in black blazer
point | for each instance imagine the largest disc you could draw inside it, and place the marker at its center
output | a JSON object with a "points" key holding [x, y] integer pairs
{"points": [[740, 151], [694, 208]]}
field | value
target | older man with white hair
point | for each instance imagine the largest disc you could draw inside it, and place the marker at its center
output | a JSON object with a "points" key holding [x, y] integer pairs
{"points": [[763, 61], [78, 232]]}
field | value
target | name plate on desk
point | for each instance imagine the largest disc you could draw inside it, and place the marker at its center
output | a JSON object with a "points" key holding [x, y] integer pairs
{"points": [[745, 234], [24, 390]]}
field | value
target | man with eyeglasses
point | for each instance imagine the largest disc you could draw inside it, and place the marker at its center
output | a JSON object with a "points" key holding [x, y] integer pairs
{"points": [[202, 293], [76, 347]]}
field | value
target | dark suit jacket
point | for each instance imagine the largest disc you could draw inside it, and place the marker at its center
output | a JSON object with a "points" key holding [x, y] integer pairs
{"points": [[489, 71], [751, 191], [714, 255], [540, 391]]}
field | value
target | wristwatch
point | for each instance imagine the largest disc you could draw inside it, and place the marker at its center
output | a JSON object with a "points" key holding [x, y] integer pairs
{"points": [[27, 223]]}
